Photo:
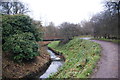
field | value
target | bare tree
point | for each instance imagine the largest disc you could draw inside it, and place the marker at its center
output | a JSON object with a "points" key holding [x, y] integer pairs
{"points": [[87, 28], [13, 8], [51, 31], [106, 23], [68, 31], [6, 7]]}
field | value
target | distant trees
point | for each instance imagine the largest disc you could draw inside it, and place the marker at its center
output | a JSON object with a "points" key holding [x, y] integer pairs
{"points": [[51, 31], [68, 30], [101, 25], [106, 23], [13, 8], [87, 28], [65, 30]]}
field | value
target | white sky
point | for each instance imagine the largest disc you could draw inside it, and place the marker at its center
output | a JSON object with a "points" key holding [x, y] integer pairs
{"points": [[58, 11]]}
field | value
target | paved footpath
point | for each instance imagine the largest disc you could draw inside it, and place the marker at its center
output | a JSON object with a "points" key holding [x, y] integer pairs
{"points": [[108, 64]]}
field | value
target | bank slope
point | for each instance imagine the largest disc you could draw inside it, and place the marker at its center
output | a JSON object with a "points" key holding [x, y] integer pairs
{"points": [[81, 58]]}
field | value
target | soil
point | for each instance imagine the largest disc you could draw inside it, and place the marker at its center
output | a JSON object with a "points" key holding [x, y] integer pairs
{"points": [[10, 69], [108, 65]]}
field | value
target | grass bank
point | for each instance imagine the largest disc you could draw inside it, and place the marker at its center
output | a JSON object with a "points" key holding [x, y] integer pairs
{"points": [[110, 40], [81, 57]]}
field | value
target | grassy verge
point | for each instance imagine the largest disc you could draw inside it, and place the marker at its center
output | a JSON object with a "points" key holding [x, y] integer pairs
{"points": [[81, 57], [110, 40]]}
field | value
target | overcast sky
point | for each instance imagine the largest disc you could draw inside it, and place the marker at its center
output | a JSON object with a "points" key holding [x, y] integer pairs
{"points": [[58, 11]]}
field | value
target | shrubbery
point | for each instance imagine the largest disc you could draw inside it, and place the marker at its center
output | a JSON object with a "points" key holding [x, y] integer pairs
{"points": [[19, 37], [22, 46], [14, 24]]}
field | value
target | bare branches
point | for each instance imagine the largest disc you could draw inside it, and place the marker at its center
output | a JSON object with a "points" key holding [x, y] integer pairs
{"points": [[13, 8]]}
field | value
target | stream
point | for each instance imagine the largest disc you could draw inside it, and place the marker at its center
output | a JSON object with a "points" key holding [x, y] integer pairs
{"points": [[54, 66]]}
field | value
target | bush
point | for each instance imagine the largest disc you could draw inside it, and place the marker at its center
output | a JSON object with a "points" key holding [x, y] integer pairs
{"points": [[19, 36], [16, 24], [21, 46]]}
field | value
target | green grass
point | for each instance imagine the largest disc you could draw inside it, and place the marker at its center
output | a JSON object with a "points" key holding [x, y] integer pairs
{"points": [[81, 57], [110, 40]]}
